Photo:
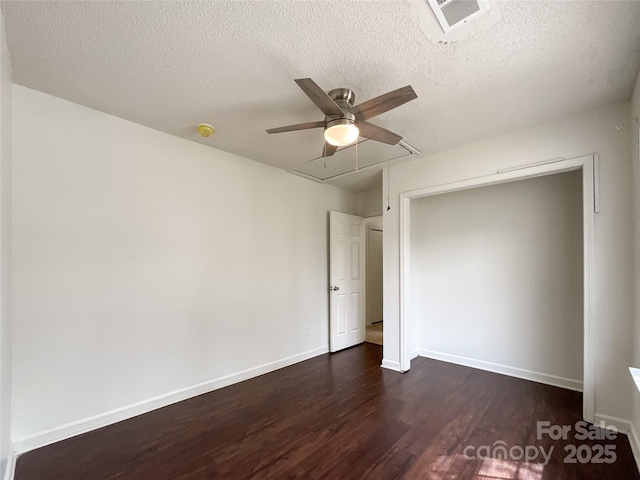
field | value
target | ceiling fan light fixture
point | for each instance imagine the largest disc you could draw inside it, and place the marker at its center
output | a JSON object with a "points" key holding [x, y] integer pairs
{"points": [[343, 121], [341, 132]]}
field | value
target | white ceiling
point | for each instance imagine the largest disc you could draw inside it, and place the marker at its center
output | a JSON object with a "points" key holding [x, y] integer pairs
{"points": [[171, 65]]}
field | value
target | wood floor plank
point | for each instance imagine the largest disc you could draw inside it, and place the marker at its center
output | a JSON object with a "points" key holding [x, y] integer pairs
{"points": [[338, 416]]}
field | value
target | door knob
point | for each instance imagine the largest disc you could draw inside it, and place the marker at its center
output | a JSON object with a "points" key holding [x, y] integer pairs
{"points": [[335, 289]]}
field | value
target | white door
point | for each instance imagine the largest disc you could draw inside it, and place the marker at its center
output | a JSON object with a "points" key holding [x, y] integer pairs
{"points": [[374, 276], [346, 274]]}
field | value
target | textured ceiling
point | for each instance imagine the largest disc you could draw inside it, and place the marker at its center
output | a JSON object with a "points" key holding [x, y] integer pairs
{"points": [[171, 65]]}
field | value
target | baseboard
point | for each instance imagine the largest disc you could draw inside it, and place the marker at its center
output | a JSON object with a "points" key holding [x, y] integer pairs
{"points": [[391, 365], [547, 379], [10, 471], [622, 425], [414, 354], [634, 441], [626, 427], [79, 427]]}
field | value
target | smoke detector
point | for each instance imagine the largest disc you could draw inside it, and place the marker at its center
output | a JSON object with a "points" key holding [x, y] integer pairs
{"points": [[205, 130], [453, 13]]}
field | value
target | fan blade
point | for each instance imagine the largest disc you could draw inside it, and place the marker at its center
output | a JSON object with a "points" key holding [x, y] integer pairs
{"points": [[379, 134], [328, 149], [384, 103], [299, 126], [319, 97]]}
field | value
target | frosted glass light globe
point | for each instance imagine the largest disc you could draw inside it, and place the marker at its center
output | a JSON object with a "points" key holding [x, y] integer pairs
{"points": [[341, 134]]}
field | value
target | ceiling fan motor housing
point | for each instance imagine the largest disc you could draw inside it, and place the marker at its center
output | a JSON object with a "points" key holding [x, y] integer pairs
{"points": [[344, 97], [347, 117]]}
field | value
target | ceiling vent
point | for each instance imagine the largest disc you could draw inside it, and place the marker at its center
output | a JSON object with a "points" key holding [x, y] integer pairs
{"points": [[453, 13]]}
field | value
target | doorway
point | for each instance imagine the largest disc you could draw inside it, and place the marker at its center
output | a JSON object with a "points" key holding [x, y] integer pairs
{"points": [[590, 205], [374, 325], [346, 277], [496, 278], [355, 280]]}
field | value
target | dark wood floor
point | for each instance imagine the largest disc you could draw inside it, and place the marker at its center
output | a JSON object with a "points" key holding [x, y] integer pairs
{"points": [[338, 417]]}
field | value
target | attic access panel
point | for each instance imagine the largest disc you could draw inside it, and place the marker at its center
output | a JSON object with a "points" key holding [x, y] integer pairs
{"points": [[344, 160]]}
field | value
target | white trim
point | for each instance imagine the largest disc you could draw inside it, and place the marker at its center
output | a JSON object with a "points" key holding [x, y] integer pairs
{"points": [[78, 427], [586, 164], [10, 470], [596, 183], [414, 354], [588, 221], [529, 165], [391, 365], [635, 375], [367, 253], [625, 427], [405, 275], [539, 377], [634, 441], [622, 425]]}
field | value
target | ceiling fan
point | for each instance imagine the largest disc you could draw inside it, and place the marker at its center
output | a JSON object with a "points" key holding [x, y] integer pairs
{"points": [[343, 122]]}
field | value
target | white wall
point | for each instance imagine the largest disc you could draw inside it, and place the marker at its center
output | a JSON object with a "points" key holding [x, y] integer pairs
{"points": [[375, 222], [369, 204], [569, 137], [5, 249], [496, 276], [145, 263]]}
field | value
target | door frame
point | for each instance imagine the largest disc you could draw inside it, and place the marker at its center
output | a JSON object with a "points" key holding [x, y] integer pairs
{"points": [[590, 205]]}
